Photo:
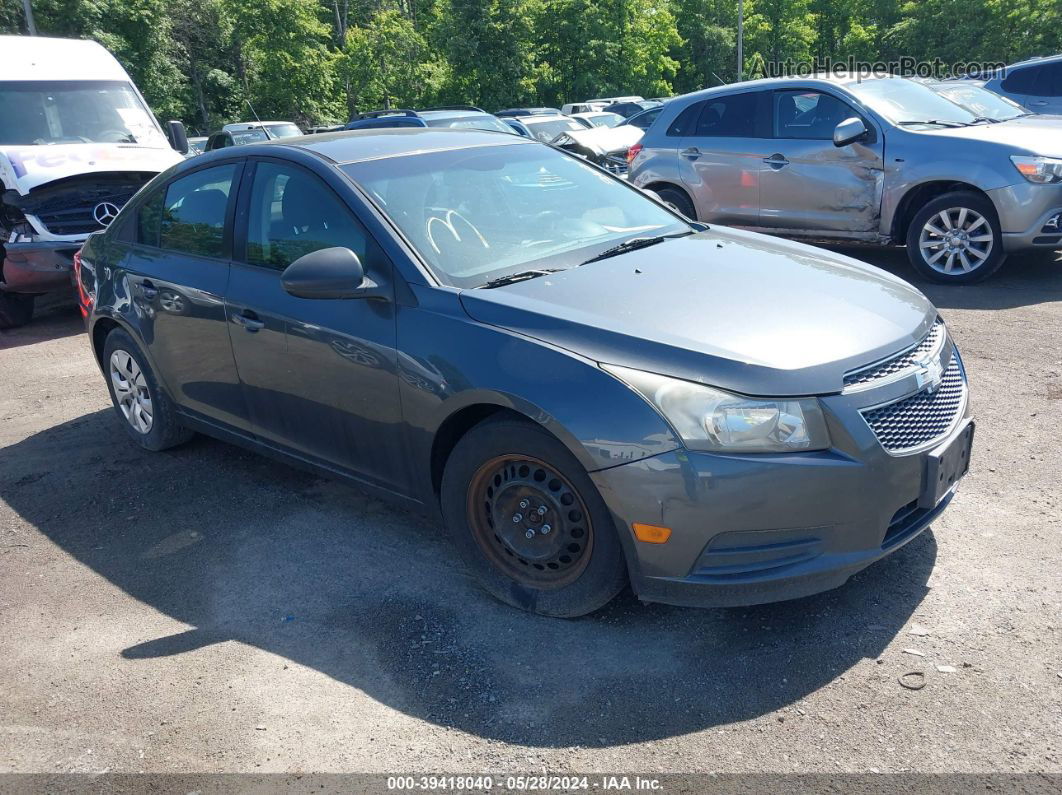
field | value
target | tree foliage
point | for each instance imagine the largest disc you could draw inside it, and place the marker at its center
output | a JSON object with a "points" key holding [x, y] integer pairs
{"points": [[318, 61]]}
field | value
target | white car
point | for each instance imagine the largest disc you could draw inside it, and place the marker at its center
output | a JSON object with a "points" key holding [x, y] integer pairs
{"points": [[546, 128], [77, 141], [274, 129], [599, 119], [581, 107]]}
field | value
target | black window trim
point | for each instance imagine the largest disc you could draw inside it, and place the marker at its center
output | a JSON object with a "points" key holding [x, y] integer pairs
{"points": [[230, 209]]}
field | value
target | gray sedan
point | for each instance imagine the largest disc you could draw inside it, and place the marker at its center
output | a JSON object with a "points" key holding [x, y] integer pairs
{"points": [[884, 161], [586, 388]]}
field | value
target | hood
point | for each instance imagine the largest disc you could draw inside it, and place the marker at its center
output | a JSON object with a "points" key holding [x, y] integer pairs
{"points": [[1042, 137], [738, 310], [24, 168], [600, 140]]}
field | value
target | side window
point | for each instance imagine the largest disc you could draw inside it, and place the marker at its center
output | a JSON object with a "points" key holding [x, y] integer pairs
{"points": [[1020, 81], [1049, 83], [810, 115], [149, 219], [732, 116], [686, 121], [192, 214], [291, 213]]}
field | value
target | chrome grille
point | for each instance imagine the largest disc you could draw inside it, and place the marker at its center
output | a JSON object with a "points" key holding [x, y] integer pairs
{"points": [[922, 418], [897, 364]]}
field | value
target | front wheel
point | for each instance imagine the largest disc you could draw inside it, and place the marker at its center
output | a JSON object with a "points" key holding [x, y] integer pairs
{"points": [[528, 521], [956, 239], [677, 201]]}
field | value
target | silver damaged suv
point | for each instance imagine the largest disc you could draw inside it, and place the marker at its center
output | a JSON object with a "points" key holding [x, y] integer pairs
{"points": [[881, 160]]}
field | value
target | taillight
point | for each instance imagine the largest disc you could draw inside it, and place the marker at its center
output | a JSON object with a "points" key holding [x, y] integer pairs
{"points": [[85, 295], [633, 152]]}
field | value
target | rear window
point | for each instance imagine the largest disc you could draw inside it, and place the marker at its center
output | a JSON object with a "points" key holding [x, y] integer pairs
{"points": [[1020, 81]]}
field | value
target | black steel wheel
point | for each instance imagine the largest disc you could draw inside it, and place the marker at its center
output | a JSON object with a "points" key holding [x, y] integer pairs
{"points": [[528, 521]]}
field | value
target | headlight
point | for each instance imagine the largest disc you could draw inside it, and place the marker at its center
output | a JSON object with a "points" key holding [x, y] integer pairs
{"points": [[1041, 170], [711, 419]]}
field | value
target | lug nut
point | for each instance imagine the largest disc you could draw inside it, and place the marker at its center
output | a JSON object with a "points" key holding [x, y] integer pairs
{"points": [[546, 528], [541, 510], [530, 534], [524, 503], [517, 518]]}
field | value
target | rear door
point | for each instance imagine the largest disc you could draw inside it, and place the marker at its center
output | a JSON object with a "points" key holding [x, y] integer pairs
{"points": [[319, 376], [810, 185], [721, 155], [1046, 95], [177, 273]]}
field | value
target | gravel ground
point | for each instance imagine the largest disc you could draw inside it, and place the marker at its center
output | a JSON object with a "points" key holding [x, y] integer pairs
{"points": [[208, 609]]}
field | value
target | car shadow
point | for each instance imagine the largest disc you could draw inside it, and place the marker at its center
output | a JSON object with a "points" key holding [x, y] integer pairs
{"points": [[242, 548], [54, 317], [1024, 280]]}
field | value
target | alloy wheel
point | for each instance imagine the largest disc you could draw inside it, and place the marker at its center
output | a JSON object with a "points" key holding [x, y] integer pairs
{"points": [[956, 240], [530, 521], [131, 391]]}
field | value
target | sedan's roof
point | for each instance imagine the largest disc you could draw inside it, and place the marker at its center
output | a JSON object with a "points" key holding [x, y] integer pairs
{"points": [[352, 145]]}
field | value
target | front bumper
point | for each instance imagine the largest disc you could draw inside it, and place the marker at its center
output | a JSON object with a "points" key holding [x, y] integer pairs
{"points": [[751, 529], [39, 266], [1025, 214]]}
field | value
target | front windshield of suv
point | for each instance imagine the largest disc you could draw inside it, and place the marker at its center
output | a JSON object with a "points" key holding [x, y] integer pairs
{"points": [[35, 113], [903, 101], [479, 122], [980, 101], [484, 212], [284, 130]]}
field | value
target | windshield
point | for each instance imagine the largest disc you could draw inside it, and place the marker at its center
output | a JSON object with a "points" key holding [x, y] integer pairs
{"points": [[546, 131], [483, 122], [605, 119], [74, 112], [244, 137], [980, 101], [284, 130], [900, 100], [481, 213]]}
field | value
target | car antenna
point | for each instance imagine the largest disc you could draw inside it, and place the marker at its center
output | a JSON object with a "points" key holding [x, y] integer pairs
{"points": [[722, 82], [264, 128]]}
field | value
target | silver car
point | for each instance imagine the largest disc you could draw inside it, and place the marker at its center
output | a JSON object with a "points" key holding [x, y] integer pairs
{"points": [[1035, 84], [880, 160]]}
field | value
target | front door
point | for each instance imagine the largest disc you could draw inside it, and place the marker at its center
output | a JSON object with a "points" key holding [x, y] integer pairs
{"points": [[808, 184], [319, 375], [721, 157], [177, 274]]}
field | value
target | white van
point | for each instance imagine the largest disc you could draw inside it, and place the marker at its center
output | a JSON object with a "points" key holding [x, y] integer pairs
{"points": [[77, 141]]}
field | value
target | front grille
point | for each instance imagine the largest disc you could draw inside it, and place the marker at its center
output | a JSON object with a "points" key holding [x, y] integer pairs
{"points": [[932, 342], [76, 218], [922, 418]]}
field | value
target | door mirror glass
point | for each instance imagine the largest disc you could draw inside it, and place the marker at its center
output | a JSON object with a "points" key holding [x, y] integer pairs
{"points": [[178, 136], [849, 131], [326, 273]]}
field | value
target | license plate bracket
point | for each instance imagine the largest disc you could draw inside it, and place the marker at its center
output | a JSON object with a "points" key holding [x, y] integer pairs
{"points": [[946, 465]]}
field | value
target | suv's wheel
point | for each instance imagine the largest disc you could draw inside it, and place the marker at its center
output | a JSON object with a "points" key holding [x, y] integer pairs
{"points": [[677, 201], [15, 309], [528, 521], [955, 239], [146, 412]]}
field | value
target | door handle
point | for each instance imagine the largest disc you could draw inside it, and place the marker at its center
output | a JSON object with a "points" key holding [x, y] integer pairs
{"points": [[1040, 102], [148, 290], [249, 320], [691, 152], [776, 161]]}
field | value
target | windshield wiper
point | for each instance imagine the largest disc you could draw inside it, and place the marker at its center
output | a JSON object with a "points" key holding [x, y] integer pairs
{"points": [[512, 278], [633, 244], [988, 119], [941, 122]]}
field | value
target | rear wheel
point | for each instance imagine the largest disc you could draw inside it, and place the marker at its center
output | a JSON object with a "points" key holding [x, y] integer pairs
{"points": [[528, 521], [15, 309], [956, 239], [147, 414], [677, 201]]}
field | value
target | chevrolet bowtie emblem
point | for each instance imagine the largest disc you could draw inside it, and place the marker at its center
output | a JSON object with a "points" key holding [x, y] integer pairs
{"points": [[930, 374]]}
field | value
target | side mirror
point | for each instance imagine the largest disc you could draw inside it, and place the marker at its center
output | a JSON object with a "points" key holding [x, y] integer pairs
{"points": [[178, 136], [849, 131], [329, 273]]}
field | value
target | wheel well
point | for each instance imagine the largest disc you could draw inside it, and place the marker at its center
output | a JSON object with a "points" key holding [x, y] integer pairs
{"points": [[917, 198], [453, 428], [100, 331]]}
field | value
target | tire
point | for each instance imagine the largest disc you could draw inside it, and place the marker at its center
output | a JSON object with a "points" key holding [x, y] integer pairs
{"points": [[125, 365], [678, 201], [573, 564], [980, 242], [15, 309]]}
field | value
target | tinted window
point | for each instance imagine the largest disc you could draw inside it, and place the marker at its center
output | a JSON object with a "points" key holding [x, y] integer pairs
{"points": [[810, 115], [292, 213], [732, 116], [1049, 82], [148, 217], [1020, 81], [191, 217], [686, 120]]}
